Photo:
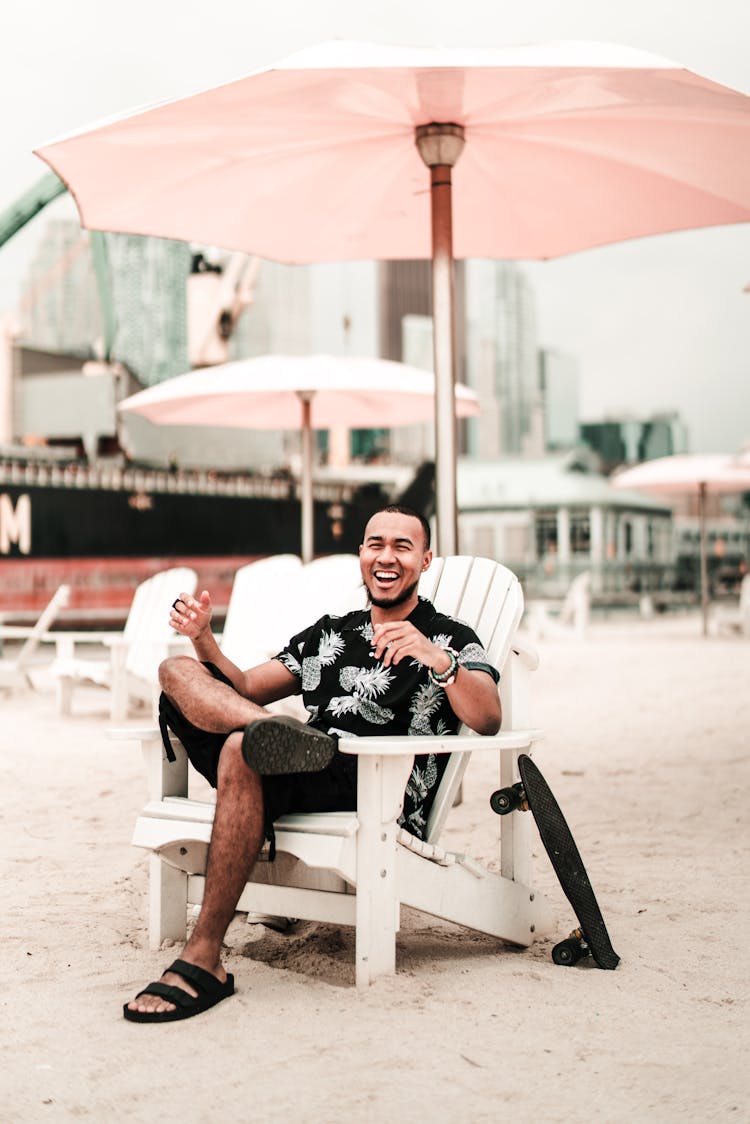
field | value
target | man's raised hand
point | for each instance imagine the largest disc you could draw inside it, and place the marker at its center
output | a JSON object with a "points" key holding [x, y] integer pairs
{"points": [[190, 616]]}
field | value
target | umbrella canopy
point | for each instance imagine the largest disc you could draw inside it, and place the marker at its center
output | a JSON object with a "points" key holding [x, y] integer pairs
{"points": [[301, 392], [696, 475], [321, 157]]}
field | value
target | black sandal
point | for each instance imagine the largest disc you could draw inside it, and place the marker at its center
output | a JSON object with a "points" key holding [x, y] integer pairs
{"points": [[210, 992], [278, 746]]}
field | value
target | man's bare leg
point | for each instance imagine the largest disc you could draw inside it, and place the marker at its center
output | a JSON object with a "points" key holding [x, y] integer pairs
{"points": [[236, 839], [206, 702]]}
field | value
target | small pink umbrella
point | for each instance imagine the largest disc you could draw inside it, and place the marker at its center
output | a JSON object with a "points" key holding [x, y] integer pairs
{"points": [[299, 392], [562, 146], [695, 474]]}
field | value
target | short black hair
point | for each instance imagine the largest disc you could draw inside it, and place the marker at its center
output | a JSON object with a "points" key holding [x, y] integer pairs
{"points": [[402, 509]]}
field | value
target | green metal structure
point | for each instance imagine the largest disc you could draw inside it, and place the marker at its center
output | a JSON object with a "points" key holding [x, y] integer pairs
{"points": [[13, 218]]}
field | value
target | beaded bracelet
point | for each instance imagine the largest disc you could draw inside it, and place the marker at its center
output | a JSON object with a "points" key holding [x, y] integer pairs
{"points": [[447, 677]]}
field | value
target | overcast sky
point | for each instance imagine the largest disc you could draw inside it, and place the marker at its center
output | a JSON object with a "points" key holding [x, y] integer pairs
{"points": [[661, 323]]}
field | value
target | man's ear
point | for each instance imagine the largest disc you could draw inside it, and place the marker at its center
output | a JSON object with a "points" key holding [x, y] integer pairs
{"points": [[426, 561]]}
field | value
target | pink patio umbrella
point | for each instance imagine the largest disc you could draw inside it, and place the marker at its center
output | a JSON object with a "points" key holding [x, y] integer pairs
{"points": [[562, 146], [697, 475], [300, 392]]}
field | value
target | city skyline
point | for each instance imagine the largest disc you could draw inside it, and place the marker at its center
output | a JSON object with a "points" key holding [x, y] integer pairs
{"points": [[656, 325]]}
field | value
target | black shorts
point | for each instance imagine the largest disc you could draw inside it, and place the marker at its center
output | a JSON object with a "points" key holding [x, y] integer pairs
{"points": [[333, 789]]}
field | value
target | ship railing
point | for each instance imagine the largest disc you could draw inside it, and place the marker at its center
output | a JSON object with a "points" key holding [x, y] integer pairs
{"points": [[115, 477]]}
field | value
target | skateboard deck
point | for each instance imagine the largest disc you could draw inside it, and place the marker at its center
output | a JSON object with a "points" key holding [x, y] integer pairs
{"points": [[565, 858]]}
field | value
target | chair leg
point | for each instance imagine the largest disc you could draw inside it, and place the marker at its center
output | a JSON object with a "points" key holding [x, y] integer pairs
{"points": [[64, 694], [118, 703], [380, 786], [168, 889]]}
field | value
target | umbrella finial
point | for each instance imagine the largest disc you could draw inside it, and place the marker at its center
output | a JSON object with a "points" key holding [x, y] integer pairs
{"points": [[439, 145]]}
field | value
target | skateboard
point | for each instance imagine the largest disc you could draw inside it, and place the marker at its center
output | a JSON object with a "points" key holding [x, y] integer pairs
{"points": [[534, 794]]}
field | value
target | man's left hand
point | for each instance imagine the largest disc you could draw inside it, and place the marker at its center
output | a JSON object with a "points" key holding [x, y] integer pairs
{"points": [[394, 640]]}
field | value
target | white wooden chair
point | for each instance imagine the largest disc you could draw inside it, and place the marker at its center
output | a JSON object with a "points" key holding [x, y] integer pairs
{"points": [[129, 669], [334, 579], [15, 670], [359, 867], [253, 630], [568, 617], [735, 619]]}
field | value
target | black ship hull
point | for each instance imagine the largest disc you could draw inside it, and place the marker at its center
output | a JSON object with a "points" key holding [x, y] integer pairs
{"points": [[104, 541]]}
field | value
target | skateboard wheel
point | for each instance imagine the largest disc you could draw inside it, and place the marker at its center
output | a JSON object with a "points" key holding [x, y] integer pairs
{"points": [[505, 800], [569, 952]]}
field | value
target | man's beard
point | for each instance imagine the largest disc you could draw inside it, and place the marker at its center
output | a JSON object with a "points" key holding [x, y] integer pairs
{"points": [[391, 603]]}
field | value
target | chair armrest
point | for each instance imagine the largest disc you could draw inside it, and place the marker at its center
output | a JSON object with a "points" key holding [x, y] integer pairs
{"points": [[65, 641], [164, 778], [384, 746], [526, 652]]}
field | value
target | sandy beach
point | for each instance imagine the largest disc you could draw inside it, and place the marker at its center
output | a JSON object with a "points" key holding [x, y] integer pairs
{"points": [[647, 750]]}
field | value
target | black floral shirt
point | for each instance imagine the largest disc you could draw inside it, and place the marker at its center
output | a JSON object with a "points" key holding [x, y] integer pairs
{"points": [[348, 693]]}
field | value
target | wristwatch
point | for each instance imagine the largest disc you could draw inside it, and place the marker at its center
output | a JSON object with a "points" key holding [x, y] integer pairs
{"points": [[448, 677]]}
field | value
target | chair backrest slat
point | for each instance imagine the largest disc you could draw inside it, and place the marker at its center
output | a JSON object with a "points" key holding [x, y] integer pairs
{"points": [[488, 597], [147, 630], [253, 630], [45, 619]]}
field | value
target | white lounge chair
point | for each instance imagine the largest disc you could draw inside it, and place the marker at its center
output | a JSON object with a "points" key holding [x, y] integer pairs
{"points": [[735, 619], [15, 670], [253, 630], [568, 617], [129, 669], [334, 580], [358, 868]]}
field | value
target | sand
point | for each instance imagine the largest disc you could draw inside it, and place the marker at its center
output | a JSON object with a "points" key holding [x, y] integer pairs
{"points": [[647, 750]]}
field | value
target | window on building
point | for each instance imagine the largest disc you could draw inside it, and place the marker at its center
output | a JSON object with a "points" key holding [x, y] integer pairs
{"points": [[627, 530], [545, 529], [580, 534]]}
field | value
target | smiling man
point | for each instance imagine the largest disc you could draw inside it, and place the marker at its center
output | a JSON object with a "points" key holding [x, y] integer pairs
{"points": [[398, 667]]}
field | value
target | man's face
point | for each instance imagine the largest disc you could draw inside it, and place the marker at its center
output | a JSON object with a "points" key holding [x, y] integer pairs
{"points": [[392, 557]]}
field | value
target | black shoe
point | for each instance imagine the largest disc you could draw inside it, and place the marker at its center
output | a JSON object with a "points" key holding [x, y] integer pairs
{"points": [[273, 746]]}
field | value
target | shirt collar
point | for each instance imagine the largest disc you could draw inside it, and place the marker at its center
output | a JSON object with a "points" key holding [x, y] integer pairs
{"points": [[422, 613]]}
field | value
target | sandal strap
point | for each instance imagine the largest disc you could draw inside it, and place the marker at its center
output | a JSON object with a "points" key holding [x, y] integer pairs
{"points": [[204, 982], [172, 994]]}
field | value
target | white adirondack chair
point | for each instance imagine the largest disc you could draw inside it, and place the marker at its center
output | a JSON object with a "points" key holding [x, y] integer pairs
{"points": [[568, 617], [253, 631], [735, 619], [130, 671], [276, 597], [15, 670], [358, 868], [335, 580]]}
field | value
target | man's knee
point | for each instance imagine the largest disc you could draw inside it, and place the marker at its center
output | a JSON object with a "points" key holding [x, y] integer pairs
{"points": [[232, 766], [174, 670]]}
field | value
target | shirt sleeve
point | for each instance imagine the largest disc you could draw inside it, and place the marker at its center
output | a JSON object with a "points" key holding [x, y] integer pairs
{"points": [[471, 654], [292, 655]]}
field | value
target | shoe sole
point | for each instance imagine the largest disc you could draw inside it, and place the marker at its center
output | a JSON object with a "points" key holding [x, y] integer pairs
{"points": [[274, 747]]}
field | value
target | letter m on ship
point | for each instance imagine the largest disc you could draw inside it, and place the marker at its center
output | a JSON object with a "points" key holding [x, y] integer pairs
{"points": [[15, 524]]}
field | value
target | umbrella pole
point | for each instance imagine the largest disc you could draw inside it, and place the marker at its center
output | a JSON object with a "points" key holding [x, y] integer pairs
{"points": [[306, 483], [440, 147], [704, 555]]}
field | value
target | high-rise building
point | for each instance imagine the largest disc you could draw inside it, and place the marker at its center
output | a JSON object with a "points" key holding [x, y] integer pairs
{"points": [[502, 359], [147, 279], [59, 306], [143, 287], [621, 441], [559, 385]]}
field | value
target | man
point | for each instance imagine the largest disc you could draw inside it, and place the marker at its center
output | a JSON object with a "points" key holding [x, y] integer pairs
{"points": [[397, 667]]}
